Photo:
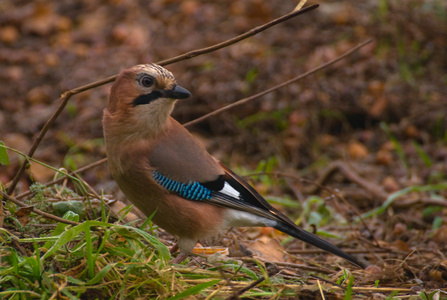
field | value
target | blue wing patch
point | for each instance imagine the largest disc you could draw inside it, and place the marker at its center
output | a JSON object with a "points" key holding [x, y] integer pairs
{"points": [[192, 190]]}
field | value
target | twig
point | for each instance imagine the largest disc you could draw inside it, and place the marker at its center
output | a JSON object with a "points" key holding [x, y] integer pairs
{"points": [[375, 289], [2, 214], [350, 251], [37, 211], [62, 178], [68, 94], [354, 209], [423, 201], [291, 265], [248, 99], [251, 285], [351, 175], [325, 280], [239, 38], [65, 97], [321, 290]]}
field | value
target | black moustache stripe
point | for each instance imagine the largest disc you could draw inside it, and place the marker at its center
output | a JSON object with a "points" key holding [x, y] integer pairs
{"points": [[147, 98]]}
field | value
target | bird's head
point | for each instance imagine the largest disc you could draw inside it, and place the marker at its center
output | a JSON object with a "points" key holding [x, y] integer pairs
{"points": [[145, 95]]}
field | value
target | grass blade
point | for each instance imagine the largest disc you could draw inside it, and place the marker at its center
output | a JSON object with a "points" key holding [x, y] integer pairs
{"points": [[195, 289]]}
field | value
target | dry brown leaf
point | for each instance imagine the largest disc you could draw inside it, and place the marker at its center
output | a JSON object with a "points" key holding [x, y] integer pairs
{"points": [[210, 250], [41, 173], [118, 206], [440, 235], [384, 157], [357, 150], [379, 106], [9, 35], [402, 246], [267, 248], [390, 184], [23, 214]]}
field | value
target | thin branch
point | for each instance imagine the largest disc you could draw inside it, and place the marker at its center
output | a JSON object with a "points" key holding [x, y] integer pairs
{"points": [[248, 99], [238, 293], [239, 38], [37, 211], [62, 178], [350, 174], [38, 140], [353, 208], [350, 251], [292, 265], [321, 290]]}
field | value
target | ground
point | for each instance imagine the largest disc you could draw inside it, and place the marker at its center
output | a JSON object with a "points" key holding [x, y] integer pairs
{"points": [[370, 130]]}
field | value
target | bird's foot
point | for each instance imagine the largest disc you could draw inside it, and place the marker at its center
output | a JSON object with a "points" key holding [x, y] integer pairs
{"points": [[181, 257], [174, 248]]}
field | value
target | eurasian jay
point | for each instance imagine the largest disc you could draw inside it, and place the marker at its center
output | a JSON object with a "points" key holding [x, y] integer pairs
{"points": [[161, 168]]}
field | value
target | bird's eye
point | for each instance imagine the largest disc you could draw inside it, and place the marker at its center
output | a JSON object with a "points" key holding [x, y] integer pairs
{"points": [[147, 81]]}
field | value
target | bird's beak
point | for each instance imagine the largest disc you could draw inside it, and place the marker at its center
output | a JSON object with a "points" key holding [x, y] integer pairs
{"points": [[177, 93]]}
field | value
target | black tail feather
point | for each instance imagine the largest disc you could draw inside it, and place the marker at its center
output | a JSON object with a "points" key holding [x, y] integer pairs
{"points": [[316, 241]]}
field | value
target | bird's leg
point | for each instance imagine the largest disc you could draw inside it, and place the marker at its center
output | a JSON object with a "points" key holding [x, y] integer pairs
{"points": [[180, 257], [174, 248]]}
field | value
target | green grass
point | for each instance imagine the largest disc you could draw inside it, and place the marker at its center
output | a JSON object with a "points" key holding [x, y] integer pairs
{"points": [[98, 259]]}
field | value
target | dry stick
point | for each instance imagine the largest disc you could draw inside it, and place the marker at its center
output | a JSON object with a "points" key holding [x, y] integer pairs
{"points": [[250, 286], [68, 94], [241, 37], [321, 290], [290, 265], [37, 211], [350, 251], [339, 196], [62, 178], [349, 173], [423, 201], [245, 100]]}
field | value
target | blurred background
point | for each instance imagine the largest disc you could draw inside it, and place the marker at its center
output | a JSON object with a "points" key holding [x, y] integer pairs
{"points": [[392, 92]]}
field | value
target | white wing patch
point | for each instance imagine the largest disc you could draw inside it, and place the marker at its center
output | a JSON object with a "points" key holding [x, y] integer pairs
{"points": [[230, 191], [236, 218]]}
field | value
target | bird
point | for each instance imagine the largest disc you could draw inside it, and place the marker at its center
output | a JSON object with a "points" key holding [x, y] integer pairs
{"points": [[167, 174]]}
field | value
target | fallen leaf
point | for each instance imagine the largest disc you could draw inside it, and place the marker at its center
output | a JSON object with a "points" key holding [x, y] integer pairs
{"points": [[399, 228], [402, 246], [384, 157], [390, 184], [23, 214], [267, 248], [9, 35], [118, 208], [41, 173], [374, 272], [440, 235], [357, 150], [210, 250]]}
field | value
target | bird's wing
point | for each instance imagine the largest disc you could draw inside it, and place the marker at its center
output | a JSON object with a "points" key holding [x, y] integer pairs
{"points": [[184, 167], [238, 194]]}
